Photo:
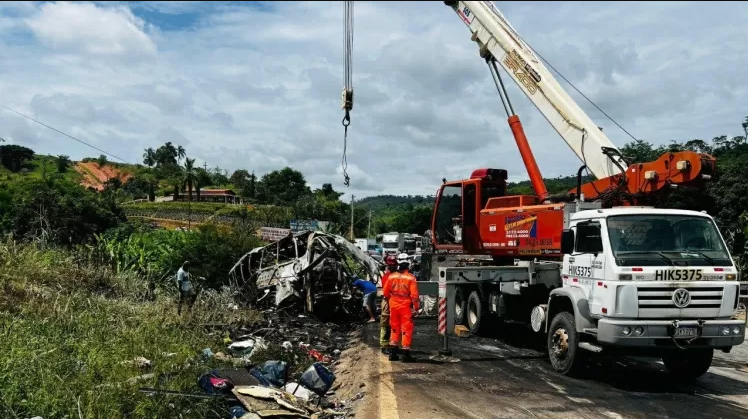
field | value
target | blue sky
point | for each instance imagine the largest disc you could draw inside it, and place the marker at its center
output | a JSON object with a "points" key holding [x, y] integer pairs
{"points": [[256, 85]]}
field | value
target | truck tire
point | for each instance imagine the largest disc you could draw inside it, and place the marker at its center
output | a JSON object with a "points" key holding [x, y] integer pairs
{"points": [[689, 364], [460, 306], [476, 313], [563, 345]]}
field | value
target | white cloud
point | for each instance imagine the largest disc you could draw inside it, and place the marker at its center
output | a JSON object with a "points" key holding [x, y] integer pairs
{"points": [[96, 30], [258, 86]]}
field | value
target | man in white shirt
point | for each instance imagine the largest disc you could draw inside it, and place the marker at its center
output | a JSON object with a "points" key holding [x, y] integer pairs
{"points": [[186, 291]]}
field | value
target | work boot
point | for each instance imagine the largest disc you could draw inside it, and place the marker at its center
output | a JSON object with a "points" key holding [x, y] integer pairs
{"points": [[394, 356], [386, 350], [407, 357]]}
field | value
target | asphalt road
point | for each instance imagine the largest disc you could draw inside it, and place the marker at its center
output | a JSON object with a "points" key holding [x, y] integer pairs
{"points": [[505, 377]]}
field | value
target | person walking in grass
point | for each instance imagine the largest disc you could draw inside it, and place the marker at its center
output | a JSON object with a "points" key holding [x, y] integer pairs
{"points": [[186, 290]]}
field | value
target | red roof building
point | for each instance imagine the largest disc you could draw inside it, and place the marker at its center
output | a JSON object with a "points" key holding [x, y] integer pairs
{"points": [[226, 196]]}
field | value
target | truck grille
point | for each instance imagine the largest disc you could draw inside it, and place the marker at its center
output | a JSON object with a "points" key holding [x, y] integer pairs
{"points": [[657, 301]]}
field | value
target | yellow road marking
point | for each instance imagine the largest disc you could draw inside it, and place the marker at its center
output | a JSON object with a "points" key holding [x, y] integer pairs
{"points": [[387, 398]]}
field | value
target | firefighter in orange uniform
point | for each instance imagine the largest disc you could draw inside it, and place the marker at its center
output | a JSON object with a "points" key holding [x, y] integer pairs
{"points": [[384, 319], [401, 291]]}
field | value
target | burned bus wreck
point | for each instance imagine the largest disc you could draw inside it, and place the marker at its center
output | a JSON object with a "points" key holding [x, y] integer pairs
{"points": [[311, 269]]}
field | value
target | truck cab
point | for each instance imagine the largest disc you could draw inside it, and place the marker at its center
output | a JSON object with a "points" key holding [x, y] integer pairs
{"points": [[659, 280]]}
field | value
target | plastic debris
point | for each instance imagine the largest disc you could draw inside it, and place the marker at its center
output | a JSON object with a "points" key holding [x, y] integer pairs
{"points": [[317, 378], [298, 390], [242, 348], [212, 383], [140, 362], [274, 372]]}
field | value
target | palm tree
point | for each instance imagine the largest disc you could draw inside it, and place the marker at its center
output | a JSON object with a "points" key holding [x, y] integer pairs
{"points": [[190, 177], [149, 157], [181, 153]]}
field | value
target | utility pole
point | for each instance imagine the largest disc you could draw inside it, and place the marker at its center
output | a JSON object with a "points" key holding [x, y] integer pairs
{"points": [[368, 232], [352, 197], [205, 166]]}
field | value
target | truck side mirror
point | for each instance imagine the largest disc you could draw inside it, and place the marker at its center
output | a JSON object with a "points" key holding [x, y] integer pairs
{"points": [[567, 242]]}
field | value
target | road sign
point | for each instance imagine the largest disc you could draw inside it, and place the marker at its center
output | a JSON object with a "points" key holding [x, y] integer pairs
{"points": [[303, 225], [271, 234]]}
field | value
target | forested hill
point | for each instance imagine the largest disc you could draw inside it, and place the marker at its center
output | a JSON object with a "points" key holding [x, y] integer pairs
{"points": [[412, 213], [383, 202]]}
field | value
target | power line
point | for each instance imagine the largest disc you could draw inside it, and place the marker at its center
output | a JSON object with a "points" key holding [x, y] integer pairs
{"points": [[67, 135], [74, 138], [578, 91]]}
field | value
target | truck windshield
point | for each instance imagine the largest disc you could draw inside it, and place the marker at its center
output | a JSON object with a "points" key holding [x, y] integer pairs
{"points": [[389, 245], [654, 239]]}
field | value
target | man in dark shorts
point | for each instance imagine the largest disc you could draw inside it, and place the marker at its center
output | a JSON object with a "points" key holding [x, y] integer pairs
{"points": [[186, 290]]}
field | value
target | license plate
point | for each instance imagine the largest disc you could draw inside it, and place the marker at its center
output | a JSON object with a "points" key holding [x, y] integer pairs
{"points": [[685, 332]]}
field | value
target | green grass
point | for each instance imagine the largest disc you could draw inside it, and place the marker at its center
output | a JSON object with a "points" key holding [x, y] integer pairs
{"points": [[69, 327]]}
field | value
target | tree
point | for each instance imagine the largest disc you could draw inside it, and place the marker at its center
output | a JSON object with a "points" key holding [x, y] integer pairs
{"points": [[62, 162], [168, 155], [251, 191], [149, 157], [101, 161], [190, 179], [151, 183], [240, 179], [58, 209], [282, 187], [203, 177], [641, 151], [219, 176], [142, 185], [14, 157], [181, 153], [328, 192]]}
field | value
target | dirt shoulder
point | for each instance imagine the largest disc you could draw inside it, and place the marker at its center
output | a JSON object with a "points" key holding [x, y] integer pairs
{"points": [[358, 377]]}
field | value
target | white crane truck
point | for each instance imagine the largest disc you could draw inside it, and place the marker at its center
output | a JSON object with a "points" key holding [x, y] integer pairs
{"points": [[633, 280], [595, 270]]}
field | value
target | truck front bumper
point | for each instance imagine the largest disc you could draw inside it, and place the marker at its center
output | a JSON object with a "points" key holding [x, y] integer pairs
{"points": [[659, 333]]}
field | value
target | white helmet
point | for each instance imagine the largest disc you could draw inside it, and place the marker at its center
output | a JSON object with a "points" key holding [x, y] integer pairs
{"points": [[403, 258]]}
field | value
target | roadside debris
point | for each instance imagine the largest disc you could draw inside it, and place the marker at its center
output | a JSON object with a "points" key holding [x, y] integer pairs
{"points": [[311, 269], [281, 367], [140, 362]]}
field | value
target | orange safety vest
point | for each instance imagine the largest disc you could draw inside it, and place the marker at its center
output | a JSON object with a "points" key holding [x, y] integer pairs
{"points": [[401, 288]]}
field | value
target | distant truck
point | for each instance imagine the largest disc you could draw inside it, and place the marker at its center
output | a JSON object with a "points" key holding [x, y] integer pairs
{"points": [[366, 244], [409, 244], [391, 243]]}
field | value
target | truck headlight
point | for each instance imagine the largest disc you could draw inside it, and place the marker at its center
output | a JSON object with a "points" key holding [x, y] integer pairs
{"points": [[731, 277], [638, 330], [626, 330], [736, 330], [725, 330]]}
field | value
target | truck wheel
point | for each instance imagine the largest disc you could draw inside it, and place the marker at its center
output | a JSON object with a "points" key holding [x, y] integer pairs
{"points": [[563, 344], [475, 313], [460, 306], [689, 364]]}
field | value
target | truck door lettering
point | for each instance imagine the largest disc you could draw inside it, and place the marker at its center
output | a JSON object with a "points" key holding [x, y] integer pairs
{"points": [[584, 271]]}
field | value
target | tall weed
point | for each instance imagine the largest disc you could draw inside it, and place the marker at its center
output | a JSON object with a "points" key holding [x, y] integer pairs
{"points": [[69, 327]]}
